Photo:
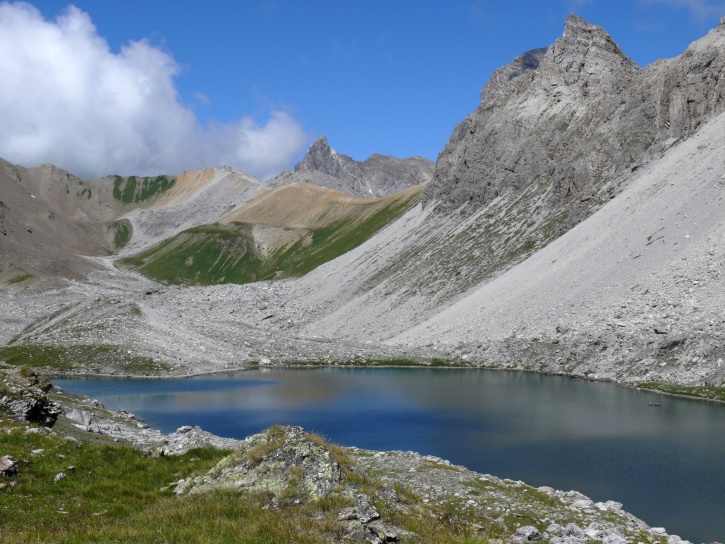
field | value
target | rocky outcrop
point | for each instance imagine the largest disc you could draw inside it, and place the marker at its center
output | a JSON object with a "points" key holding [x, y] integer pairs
{"points": [[509, 510], [187, 438], [576, 117], [90, 416], [294, 467], [269, 462], [3, 230], [23, 397], [371, 489], [375, 177]]}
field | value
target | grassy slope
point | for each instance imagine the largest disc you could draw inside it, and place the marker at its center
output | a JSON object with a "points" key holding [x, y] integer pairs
{"points": [[116, 494], [201, 256], [78, 356], [702, 392], [227, 253]]}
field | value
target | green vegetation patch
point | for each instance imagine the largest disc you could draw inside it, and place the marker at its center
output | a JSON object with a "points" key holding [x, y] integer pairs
{"points": [[133, 190], [122, 231], [202, 256], [701, 392], [217, 253], [20, 278], [336, 239], [106, 488], [79, 357], [116, 494]]}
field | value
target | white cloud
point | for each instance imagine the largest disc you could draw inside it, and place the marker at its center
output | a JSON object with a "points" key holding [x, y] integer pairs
{"points": [[201, 98], [65, 98]]}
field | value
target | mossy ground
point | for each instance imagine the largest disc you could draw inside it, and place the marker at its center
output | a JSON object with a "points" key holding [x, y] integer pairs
{"points": [[20, 278], [700, 392]]}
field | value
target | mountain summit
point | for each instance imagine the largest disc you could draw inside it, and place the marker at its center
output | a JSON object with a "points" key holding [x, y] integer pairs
{"points": [[574, 118], [322, 158], [586, 52], [375, 177]]}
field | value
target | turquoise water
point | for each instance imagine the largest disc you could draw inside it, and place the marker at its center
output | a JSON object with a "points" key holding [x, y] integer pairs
{"points": [[665, 464]]}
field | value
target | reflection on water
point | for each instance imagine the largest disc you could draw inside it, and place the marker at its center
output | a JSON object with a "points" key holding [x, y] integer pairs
{"points": [[665, 464]]}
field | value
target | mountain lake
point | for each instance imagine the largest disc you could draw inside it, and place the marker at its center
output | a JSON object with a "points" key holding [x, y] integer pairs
{"points": [[665, 464]]}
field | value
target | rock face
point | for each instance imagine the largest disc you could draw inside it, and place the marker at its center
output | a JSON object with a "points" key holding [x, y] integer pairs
{"points": [[634, 293], [575, 116], [275, 461], [375, 177], [23, 397]]}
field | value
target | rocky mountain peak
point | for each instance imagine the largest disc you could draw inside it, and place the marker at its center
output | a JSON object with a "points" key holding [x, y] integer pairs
{"points": [[575, 119], [588, 51], [376, 176], [320, 157]]}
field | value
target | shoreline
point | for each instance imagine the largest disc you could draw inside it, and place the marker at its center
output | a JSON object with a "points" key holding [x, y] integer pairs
{"points": [[301, 366]]}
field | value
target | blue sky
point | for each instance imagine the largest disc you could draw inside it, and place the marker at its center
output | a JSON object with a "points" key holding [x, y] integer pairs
{"points": [[138, 87]]}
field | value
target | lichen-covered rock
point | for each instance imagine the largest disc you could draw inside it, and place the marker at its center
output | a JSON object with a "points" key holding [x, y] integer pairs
{"points": [[283, 461], [362, 512], [527, 533], [386, 532], [23, 397]]}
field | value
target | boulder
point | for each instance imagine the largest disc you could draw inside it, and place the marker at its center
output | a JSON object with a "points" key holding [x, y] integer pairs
{"points": [[363, 511], [527, 533], [386, 532], [188, 438], [23, 397], [10, 466], [283, 461]]}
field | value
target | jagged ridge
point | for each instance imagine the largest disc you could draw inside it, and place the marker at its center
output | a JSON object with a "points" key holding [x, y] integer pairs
{"points": [[377, 176]]}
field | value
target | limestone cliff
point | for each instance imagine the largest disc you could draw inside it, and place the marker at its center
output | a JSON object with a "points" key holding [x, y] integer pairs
{"points": [[576, 116]]}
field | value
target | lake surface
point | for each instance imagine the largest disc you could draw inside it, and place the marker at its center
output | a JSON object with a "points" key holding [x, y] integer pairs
{"points": [[665, 464]]}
